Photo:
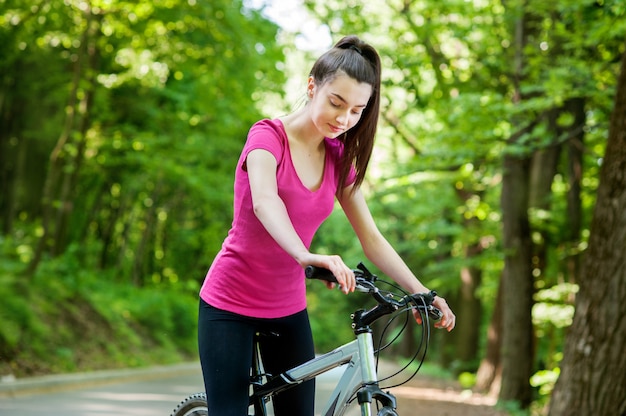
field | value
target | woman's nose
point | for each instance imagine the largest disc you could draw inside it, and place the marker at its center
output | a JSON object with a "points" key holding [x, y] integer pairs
{"points": [[342, 118]]}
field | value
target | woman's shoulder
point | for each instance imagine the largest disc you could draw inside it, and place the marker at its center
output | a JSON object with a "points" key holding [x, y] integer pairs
{"points": [[267, 134], [268, 125]]}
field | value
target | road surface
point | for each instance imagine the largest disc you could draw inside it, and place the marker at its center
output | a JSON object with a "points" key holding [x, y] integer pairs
{"points": [[151, 396]]}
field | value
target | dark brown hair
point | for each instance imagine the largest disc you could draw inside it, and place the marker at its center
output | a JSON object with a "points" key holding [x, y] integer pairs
{"points": [[361, 62]]}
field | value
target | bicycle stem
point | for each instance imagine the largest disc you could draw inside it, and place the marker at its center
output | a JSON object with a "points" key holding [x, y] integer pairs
{"points": [[361, 319]]}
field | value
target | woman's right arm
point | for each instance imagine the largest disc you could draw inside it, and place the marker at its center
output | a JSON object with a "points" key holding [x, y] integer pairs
{"points": [[270, 209]]}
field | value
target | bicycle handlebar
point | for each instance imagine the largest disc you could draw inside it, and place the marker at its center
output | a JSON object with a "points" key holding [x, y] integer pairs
{"points": [[387, 303]]}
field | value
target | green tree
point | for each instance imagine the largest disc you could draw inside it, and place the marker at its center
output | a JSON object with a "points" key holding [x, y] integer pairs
{"points": [[504, 103], [121, 125], [593, 372], [149, 105]]}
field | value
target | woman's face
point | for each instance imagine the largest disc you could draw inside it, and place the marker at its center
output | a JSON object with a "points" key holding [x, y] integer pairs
{"points": [[337, 105]]}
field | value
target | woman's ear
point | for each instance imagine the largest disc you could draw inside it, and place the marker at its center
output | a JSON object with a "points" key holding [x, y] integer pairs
{"points": [[310, 87]]}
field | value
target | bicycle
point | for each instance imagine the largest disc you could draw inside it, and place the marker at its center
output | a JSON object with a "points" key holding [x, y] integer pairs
{"points": [[360, 378]]}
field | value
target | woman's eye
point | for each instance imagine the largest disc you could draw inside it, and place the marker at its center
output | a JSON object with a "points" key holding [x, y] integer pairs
{"points": [[334, 104]]}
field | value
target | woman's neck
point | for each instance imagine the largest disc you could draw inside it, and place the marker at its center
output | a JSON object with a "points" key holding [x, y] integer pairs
{"points": [[300, 128], [307, 149]]}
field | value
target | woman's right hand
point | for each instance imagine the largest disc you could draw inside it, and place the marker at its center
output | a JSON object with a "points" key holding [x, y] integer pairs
{"points": [[345, 276]]}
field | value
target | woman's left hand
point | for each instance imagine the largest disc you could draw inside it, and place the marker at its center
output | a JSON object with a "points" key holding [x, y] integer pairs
{"points": [[448, 319]]}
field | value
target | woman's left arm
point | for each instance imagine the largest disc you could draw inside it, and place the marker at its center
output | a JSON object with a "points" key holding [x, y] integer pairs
{"points": [[380, 252]]}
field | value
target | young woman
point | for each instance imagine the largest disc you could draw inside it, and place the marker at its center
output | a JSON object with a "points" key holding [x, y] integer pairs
{"points": [[290, 171]]}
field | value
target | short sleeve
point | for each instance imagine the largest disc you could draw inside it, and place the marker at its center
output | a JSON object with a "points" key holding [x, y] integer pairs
{"points": [[267, 135]]}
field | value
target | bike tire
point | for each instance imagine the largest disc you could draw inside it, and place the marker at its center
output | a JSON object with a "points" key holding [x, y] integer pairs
{"points": [[194, 405], [387, 411]]}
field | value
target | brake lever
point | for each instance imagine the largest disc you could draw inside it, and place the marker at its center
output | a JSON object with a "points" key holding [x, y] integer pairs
{"points": [[423, 302], [365, 286], [434, 314]]}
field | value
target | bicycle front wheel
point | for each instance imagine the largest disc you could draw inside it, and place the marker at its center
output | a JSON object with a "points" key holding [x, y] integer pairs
{"points": [[387, 411], [194, 405]]}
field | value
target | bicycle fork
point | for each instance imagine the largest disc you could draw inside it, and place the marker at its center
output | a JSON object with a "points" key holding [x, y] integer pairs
{"points": [[371, 390]]}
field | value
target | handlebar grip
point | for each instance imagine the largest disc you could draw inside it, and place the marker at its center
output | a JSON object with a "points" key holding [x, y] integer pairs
{"points": [[426, 299], [320, 273]]}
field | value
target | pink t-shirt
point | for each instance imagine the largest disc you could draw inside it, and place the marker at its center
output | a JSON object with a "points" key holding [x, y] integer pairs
{"points": [[252, 275]]}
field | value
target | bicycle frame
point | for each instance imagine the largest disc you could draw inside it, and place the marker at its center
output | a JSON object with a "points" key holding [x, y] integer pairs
{"points": [[360, 378]]}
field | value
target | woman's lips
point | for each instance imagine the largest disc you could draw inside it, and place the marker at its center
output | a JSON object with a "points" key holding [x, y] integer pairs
{"points": [[336, 129]]}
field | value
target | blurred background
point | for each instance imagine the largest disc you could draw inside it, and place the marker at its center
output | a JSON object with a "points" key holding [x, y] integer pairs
{"points": [[121, 123]]}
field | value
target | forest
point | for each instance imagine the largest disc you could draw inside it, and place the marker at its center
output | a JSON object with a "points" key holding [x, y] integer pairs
{"points": [[499, 175]]}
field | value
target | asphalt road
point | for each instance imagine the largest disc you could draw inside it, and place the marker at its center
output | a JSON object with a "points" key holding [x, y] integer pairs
{"points": [[146, 394], [143, 397]]}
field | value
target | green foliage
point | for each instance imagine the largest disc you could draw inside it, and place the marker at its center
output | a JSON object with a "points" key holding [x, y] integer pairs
{"points": [[131, 116], [467, 380], [15, 313], [174, 90], [72, 319], [544, 381], [452, 101], [554, 305], [329, 312]]}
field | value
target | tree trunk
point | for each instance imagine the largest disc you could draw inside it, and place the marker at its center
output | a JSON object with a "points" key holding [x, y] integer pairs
{"points": [[517, 283], [467, 332], [8, 165], [470, 308], [575, 134], [489, 374], [70, 179], [55, 198], [543, 169], [593, 371], [517, 279]]}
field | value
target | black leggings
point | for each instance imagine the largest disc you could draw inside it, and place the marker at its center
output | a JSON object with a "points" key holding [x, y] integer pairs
{"points": [[225, 341]]}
